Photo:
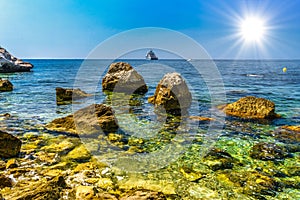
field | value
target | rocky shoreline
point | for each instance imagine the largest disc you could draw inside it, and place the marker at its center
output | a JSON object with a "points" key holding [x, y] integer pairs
{"points": [[55, 164], [9, 63]]}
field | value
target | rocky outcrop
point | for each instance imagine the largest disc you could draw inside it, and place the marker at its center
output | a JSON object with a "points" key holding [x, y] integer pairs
{"points": [[172, 95], [87, 121], [9, 145], [9, 63], [5, 85], [66, 95], [121, 77], [251, 108]]}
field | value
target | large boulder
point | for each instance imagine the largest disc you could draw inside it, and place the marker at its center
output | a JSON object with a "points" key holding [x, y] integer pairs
{"points": [[5, 85], [9, 63], [121, 77], [66, 95], [9, 145], [251, 108], [172, 94], [91, 120]]}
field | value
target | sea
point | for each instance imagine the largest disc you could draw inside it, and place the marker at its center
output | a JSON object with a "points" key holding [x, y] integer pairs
{"points": [[33, 99], [32, 103]]}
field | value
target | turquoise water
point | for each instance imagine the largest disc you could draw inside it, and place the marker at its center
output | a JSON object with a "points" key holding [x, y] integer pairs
{"points": [[33, 97]]}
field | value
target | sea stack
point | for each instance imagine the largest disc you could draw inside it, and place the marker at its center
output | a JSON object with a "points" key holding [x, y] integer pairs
{"points": [[172, 95], [121, 77], [9, 63]]}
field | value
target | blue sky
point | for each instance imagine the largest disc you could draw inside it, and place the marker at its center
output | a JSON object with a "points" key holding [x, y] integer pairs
{"points": [[73, 28]]}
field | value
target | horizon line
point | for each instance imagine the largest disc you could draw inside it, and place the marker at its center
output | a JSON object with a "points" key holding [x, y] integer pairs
{"points": [[241, 59]]}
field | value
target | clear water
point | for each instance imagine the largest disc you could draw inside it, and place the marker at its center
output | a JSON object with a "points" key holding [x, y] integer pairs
{"points": [[33, 97]]}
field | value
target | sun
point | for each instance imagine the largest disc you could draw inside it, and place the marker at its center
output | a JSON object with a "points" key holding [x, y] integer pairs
{"points": [[252, 29]]}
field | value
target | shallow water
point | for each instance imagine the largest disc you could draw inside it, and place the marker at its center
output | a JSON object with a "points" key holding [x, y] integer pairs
{"points": [[32, 104]]}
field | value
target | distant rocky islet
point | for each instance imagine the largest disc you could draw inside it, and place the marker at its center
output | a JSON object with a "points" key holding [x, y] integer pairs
{"points": [[9, 63]]}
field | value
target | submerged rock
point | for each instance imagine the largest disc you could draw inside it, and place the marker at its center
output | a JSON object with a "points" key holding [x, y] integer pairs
{"points": [[288, 134], [5, 85], [268, 151], [218, 159], [66, 95], [251, 108], [172, 95], [143, 195], [91, 120], [9, 145], [121, 77], [251, 183], [9, 63]]}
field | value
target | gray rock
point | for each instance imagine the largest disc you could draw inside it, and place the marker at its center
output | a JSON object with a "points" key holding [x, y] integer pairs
{"points": [[9, 63]]}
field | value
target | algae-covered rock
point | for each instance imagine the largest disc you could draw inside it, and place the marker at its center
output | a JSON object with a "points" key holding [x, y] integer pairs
{"points": [[79, 154], [39, 190], [66, 95], [143, 195], [121, 77], [217, 159], [85, 192], [92, 120], [12, 163], [172, 95], [251, 108], [5, 85], [252, 183], [9, 145], [268, 151]]}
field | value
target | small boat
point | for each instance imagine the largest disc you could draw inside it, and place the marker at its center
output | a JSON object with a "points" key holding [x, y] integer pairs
{"points": [[151, 56]]}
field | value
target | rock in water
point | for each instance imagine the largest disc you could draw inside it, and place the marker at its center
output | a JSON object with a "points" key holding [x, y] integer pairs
{"points": [[66, 95], [252, 108], [268, 151], [121, 77], [5, 85], [89, 121], [9, 63], [172, 94], [288, 134], [9, 145]]}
